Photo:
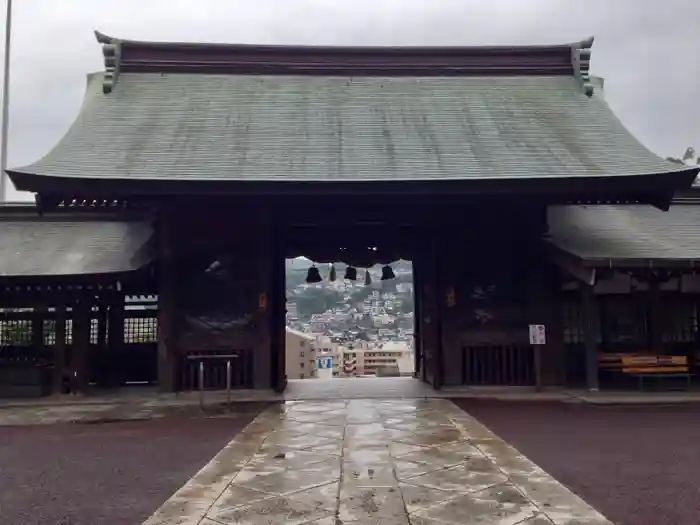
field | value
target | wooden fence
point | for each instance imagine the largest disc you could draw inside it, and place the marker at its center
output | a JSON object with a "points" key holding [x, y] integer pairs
{"points": [[503, 365]]}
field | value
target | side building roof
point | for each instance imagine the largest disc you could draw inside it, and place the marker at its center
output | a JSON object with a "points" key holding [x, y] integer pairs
{"points": [[630, 236], [69, 245], [232, 117]]}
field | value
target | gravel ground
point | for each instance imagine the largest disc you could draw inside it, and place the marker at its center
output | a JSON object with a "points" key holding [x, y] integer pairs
{"points": [[638, 465], [107, 474]]}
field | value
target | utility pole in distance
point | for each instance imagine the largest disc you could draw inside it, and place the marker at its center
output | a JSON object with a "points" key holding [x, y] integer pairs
{"points": [[5, 103]]}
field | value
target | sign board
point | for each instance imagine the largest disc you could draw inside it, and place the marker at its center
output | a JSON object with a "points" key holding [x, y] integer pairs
{"points": [[537, 334], [324, 367], [324, 363]]}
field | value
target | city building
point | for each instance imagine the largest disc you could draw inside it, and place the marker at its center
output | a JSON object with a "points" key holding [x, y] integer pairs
{"points": [[354, 360], [300, 354], [386, 358]]}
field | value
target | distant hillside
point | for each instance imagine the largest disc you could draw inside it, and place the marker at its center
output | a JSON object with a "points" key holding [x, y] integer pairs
{"points": [[323, 297], [297, 270]]}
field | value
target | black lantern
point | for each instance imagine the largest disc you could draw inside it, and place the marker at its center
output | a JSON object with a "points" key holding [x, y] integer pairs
{"points": [[388, 273], [313, 275], [351, 273]]}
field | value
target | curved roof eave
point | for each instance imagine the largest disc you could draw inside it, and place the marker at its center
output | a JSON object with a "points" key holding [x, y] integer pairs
{"points": [[149, 128]]}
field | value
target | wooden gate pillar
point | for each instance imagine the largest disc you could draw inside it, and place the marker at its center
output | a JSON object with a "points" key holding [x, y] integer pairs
{"points": [[277, 303], [168, 356], [426, 286], [542, 306], [451, 302], [270, 290]]}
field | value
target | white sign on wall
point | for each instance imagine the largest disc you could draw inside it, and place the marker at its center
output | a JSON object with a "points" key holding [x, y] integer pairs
{"points": [[537, 334]]}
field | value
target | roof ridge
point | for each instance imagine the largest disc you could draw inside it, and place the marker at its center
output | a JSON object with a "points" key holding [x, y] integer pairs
{"points": [[571, 59]]}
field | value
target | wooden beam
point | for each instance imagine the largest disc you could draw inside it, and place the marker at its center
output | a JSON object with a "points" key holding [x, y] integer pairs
{"points": [[588, 312], [572, 265]]}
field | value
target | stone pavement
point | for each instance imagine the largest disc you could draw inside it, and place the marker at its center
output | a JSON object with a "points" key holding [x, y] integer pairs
{"points": [[138, 404], [366, 462]]}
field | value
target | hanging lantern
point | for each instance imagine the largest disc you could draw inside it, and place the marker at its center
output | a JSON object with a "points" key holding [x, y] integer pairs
{"points": [[368, 279], [332, 275], [388, 273], [351, 273], [313, 275]]}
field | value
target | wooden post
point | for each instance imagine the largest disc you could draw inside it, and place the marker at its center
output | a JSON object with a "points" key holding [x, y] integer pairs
{"points": [[537, 299], [167, 308], [38, 330], [266, 358], [115, 337], [101, 351], [417, 326], [102, 327], [430, 310], [556, 350], [655, 335], [276, 303], [425, 289], [59, 350], [441, 315], [588, 311], [450, 275], [81, 344]]}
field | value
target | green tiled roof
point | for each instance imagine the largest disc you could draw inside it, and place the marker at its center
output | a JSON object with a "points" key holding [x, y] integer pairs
{"points": [[188, 126], [606, 233]]}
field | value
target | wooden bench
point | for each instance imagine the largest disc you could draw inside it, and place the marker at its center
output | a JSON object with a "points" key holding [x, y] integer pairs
{"points": [[612, 362], [656, 366]]}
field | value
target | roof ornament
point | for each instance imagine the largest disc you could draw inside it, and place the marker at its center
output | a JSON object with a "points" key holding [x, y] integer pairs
{"points": [[111, 50], [581, 59]]}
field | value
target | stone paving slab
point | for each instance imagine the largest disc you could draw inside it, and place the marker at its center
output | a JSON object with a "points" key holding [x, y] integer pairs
{"points": [[364, 462]]}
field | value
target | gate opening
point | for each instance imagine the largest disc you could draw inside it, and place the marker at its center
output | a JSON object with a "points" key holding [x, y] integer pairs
{"points": [[351, 323]]}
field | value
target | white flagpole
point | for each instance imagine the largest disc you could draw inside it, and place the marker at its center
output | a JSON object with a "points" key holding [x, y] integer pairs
{"points": [[5, 103]]}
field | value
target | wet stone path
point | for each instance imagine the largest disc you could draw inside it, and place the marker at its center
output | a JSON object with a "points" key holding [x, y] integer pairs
{"points": [[366, 462]]}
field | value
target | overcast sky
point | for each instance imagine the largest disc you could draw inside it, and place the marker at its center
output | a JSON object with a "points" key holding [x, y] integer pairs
{"points": [[647, 50]]}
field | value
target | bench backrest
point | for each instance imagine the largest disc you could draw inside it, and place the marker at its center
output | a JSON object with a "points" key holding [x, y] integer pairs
{"points": [[660, 364], [613, 361]]}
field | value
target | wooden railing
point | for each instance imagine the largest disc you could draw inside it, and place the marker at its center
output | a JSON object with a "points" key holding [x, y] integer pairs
{"points": [[507, 365], [215, 376]]}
